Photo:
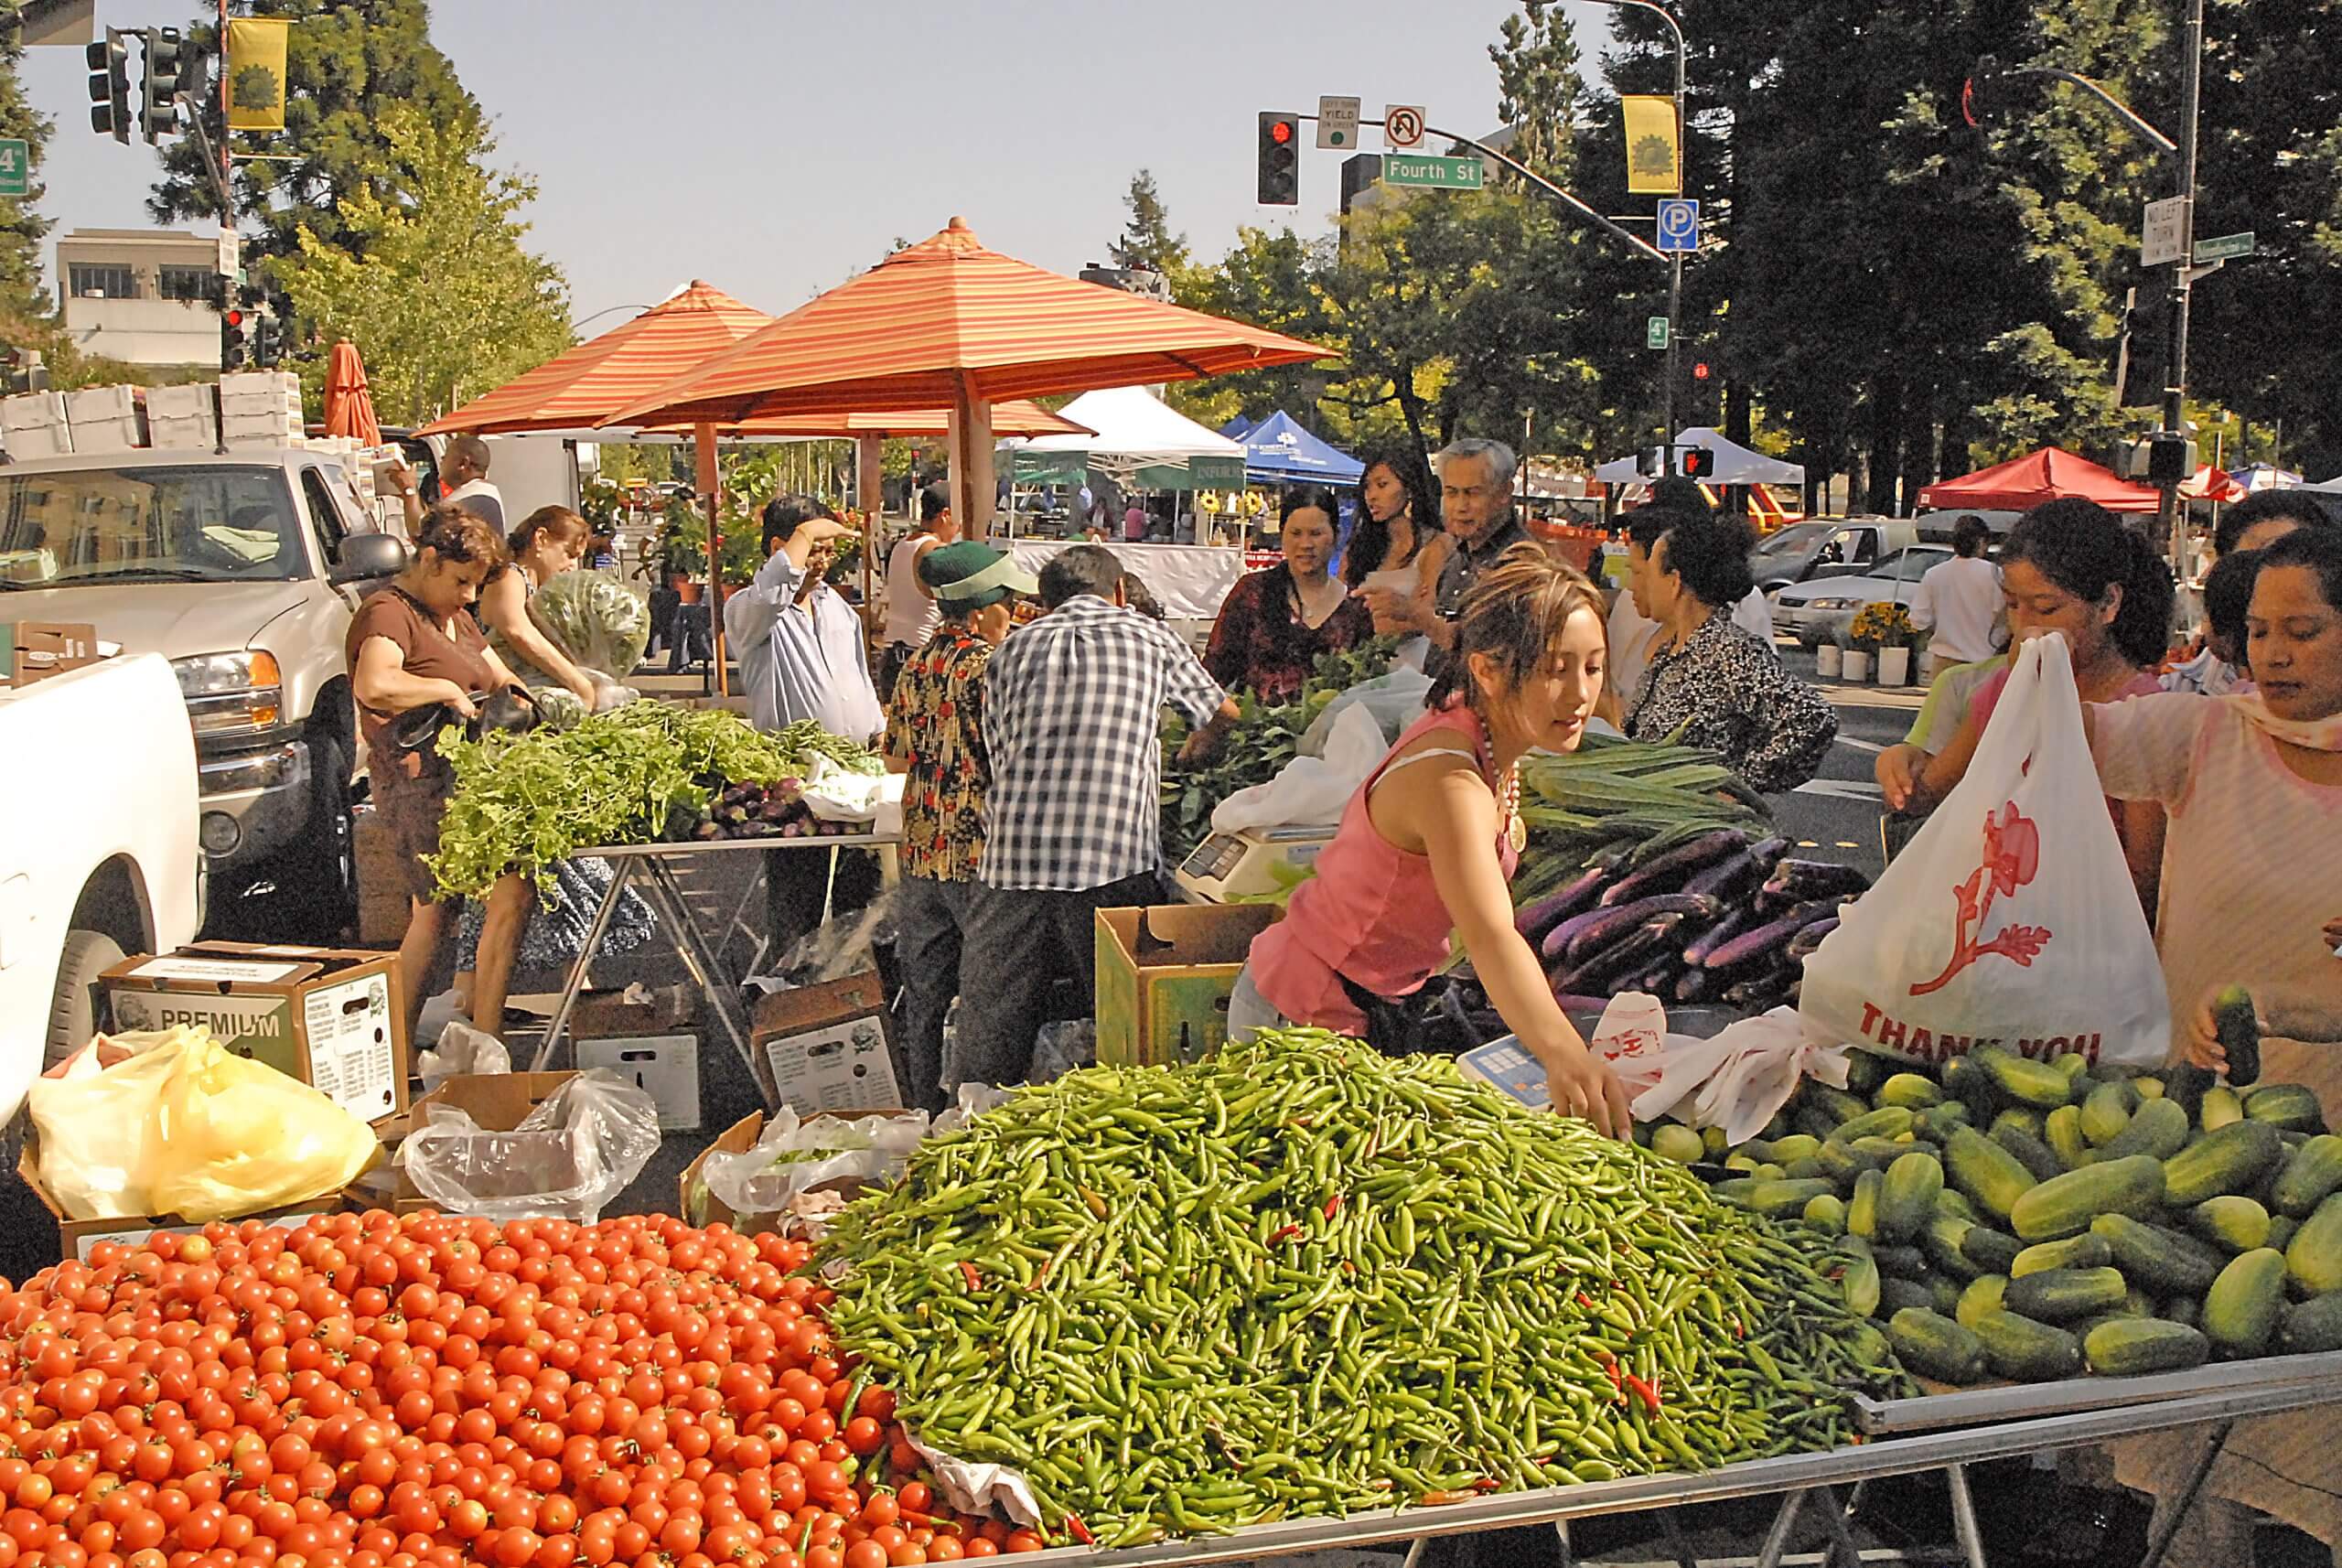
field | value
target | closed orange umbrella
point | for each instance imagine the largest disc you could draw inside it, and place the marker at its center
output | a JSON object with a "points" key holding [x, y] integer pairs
{"points": [[946, 321], [349, 407], [582, 386]]}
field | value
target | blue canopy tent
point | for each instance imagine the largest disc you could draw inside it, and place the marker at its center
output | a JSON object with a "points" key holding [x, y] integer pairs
{"points": [[1236, 428], [1279, 451]]}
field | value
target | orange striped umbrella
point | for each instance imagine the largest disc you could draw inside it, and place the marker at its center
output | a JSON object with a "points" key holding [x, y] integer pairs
{"points": [[581, 387], [949, 323], [349, 407], [1016, 417]]}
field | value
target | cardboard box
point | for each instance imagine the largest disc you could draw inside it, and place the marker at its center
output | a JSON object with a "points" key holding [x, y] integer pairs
{"points": [[77, 1237], [183, 402], [1164, 974], [825, 1047], [30, 411], [261, 391], [86, 404], [260, 429], [26, 442], [699, 1206], [125, 434], [665, 1066], [33, 650], [328, 1017], [183, 433], [497, 1103], [612, 1015]]}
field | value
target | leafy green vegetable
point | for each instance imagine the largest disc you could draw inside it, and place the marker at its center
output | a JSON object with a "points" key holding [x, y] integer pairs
{"points": [[639, 774]]}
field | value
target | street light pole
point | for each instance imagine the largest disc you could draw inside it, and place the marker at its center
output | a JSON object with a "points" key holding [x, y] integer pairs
{"points": [[2170, 513], [1675, 259]]}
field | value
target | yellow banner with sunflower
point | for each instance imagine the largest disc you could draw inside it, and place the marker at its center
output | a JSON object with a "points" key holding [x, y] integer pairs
{"points": [[1654, 150], [256, 73]]}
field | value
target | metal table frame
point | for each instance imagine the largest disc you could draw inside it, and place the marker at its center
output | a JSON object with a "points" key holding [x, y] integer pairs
{"points": [[1923, 1443], [651, 865]]}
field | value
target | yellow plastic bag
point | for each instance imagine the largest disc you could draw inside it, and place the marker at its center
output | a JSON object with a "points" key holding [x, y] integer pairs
{"points": [[186, 1128]]}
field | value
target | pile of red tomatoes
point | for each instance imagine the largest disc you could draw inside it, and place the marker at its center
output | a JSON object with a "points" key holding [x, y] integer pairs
{"points": [[367, 1391]]}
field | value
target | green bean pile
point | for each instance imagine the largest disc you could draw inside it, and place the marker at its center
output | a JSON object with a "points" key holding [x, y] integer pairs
{"points": [[1299, 1278]]}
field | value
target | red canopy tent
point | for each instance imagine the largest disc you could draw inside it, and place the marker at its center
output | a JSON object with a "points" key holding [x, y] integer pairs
{"points": [[2023, 483]]}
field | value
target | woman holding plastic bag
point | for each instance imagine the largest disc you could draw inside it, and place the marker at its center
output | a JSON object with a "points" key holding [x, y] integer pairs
{"points": [[1428, 843], [2252, 869], [2072, 567]]}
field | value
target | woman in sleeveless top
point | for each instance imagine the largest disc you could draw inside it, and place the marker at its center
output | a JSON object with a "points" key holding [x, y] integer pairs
{"points": [[1428, 843], [1396, 548]]}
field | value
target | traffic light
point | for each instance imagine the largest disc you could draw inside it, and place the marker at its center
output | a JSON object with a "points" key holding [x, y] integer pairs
{"points": [[231, 339], [158, 112], [268, 340], [1279, 160], [1696, 462], [1700, 371], [110, 86]]}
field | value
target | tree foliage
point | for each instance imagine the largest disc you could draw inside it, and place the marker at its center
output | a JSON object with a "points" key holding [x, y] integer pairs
{"points": [[21, 227], [348, 64], [1147, 242], [440, 296]]}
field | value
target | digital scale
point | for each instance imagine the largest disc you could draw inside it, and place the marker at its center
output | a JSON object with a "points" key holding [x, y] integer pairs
{"points": [[1244, 865]]}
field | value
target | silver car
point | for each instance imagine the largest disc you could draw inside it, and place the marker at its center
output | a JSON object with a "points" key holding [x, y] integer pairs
{"points": [[1823, 610]]}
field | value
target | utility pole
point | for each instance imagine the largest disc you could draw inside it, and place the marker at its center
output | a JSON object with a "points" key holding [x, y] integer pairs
{"points": [[2170, 513]]}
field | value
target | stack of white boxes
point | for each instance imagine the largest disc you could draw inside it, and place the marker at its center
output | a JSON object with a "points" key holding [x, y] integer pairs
{"points": [[182, 418], [261, 408], [34, 425], [107, 419]]}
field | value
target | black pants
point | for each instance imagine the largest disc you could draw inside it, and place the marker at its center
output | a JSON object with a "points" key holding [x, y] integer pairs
{"points": [[1021, 943], [797, 884], [690, 641], [891, 660], [933, 923]]}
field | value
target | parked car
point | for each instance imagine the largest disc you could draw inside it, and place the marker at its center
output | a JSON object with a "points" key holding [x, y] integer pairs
{"points": [[100, 860], [1824, 609], [242, 568], [1826, 547]]}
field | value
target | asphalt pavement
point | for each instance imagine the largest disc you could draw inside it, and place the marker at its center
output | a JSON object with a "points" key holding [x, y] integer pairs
{"points": [[1836, 815]]}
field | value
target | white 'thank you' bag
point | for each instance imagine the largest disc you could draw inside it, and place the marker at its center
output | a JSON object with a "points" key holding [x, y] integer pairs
{"points": [[2011, 920]]}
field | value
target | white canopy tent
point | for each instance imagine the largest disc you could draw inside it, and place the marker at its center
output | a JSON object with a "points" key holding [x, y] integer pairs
{"points": [[1135, 431], [1735, 464]]}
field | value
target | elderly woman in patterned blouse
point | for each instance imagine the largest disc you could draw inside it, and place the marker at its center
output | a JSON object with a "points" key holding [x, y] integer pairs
{"points": [[1710, 680]]}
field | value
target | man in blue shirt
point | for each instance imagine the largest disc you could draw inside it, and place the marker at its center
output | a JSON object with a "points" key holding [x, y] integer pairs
{"points": [[802, 655]]}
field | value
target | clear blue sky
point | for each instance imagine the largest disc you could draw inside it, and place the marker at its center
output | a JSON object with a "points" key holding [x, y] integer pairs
{"points": [[774, 149]]}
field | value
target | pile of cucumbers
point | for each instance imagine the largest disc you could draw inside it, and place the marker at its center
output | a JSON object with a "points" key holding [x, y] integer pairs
{"points": [[2023, 1219]]}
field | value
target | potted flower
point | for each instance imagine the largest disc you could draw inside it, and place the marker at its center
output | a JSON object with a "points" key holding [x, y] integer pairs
{"points": [[683, 549], [1884, 630]]}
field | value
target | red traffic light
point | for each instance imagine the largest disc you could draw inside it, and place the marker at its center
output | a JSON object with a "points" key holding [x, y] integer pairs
{"points": [[1700, 370], [1281, 130], [233, 317]]}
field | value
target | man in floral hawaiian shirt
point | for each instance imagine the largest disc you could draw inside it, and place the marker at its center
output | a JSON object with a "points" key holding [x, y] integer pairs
{"points": [[935, 734]]}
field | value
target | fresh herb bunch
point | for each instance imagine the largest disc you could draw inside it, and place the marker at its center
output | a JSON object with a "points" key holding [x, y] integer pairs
{"points": [[637, 775], [1265, 738]]}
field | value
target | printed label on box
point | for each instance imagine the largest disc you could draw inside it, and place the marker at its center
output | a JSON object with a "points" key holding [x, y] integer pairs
{"points": [[842, 1067], [260, 1027], [228, 969], [349, 1027]]}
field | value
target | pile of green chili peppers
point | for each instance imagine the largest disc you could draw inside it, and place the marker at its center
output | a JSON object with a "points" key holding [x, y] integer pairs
{"points": [[1299, 1278]]}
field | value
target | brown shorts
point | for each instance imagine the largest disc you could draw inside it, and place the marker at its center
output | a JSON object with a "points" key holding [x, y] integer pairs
{"points": [[412, 815]]}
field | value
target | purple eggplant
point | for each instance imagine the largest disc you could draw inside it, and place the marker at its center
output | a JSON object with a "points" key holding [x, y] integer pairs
{"points": [[1667, 872], [1605, 924], [1628, 952], [1806, 941], [1693, 985], [1765, 939], [1532, 920], [1715, 936], [1803, 880], [1728, 877]]}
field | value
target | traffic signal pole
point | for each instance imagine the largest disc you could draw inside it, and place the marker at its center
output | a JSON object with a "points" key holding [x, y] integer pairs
{"points": [[1675, 258], [2170, 514]]}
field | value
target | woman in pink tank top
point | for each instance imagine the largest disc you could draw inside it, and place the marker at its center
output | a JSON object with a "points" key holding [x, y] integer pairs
{"points": [[1427, 845]]}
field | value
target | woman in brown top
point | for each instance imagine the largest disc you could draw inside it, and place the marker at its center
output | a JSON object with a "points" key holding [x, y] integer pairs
{"points": [[413, 645]]}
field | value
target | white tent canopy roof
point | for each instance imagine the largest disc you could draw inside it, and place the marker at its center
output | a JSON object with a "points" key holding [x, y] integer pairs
{"points": [[1131, 423], [1735, 464]]}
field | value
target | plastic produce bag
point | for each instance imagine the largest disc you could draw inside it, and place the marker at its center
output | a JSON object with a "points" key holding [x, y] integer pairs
{"points": [[462, 1050], [2011, 918], [1394, 701], [187, 1127], [796, 1154], [1738, 1080], [598, 621], [568, 1157], [1310, 789]]}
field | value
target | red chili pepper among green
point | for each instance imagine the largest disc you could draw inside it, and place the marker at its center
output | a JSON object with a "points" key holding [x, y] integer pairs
{"points": [[1079, 1531], [1585, 1301], [1287, 1234], [975, 1281], [1333, 1206], [1646, 1391]]}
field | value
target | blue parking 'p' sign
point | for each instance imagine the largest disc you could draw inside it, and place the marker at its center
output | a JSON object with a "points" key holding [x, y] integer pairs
{"points": [[1679, 225]]}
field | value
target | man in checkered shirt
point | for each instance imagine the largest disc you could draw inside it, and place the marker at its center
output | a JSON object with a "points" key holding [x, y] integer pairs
{"points": [[1072, 705]]}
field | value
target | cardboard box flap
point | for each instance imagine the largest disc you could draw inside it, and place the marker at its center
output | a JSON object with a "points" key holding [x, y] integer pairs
{"points": [[806, 1007], [1188, 936]]}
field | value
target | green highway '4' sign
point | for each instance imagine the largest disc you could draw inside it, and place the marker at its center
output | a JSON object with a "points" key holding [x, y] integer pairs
{"points": [[1655, 332], [1432, 173], [15, 167]]}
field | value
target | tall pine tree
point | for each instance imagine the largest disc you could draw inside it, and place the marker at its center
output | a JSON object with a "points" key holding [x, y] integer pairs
{"points": [[21, 226]]}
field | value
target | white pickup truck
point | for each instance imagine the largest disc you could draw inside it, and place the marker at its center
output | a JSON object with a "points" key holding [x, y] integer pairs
{"points": [[100, 858], [242, 568]]}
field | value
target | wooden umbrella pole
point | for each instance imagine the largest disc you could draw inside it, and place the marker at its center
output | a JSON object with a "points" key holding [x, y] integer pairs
{"points": [[704, 449], [971, 435], [869, 457]]}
